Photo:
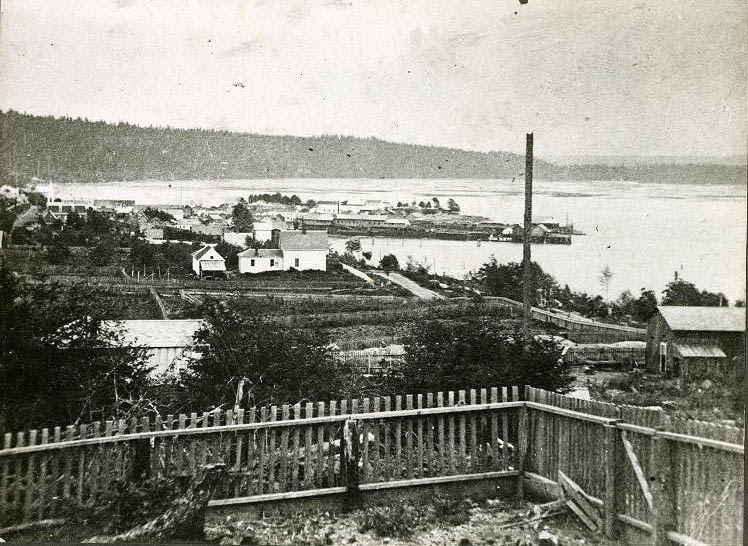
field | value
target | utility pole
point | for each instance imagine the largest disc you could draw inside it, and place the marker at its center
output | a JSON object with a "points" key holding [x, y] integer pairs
{"points": [[526, 253]]}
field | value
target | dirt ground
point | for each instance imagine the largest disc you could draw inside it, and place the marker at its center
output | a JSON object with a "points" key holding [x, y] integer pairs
{"points": [[466, 523], [482, 526]]}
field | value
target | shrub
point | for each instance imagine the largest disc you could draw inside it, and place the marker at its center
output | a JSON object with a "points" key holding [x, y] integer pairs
{"points": [[390, 521]]}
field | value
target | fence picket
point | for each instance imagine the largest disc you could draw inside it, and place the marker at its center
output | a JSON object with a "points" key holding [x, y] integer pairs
{"points": [[419, 437], [451, 424], [386, 428], [474, 465], [331, 436], [308, 464], [398, 440], [320, 444], [284, 434], [409, 439], [30, 470], [376, 425]]}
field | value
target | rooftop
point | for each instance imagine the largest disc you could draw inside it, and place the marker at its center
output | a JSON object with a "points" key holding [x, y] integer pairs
{"points": [[261, 253], [157, 333], [302, 240], [695, 350], [704, 319]]}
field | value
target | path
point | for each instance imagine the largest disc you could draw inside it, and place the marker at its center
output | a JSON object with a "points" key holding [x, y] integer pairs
{"points": [[414, 287], [357, 273]]}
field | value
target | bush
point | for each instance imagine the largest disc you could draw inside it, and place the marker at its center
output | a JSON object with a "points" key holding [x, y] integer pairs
{"points": [[388, 521]]}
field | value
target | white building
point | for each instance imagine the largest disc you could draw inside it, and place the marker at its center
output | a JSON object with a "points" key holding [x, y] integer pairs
{"points": [[207, 260], [168, 343], [297, 249]]}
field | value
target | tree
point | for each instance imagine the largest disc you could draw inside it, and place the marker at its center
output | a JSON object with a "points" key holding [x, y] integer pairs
{"points": [[230, 254], [435, 201], [389, 263], [507, 280], [453, 206], [102, 253], [58, 252], [681, 292], [241, 217], [477, 352], [606, 275], [59, 361], [645, 306], [278, 365]]}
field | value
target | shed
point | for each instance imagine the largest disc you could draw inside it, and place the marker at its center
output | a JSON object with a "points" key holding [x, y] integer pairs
{"points": [[207, 261], [693, 342]]}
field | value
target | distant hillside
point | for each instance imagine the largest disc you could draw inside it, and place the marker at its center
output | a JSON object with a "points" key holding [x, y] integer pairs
{"points": [[66, 150]]}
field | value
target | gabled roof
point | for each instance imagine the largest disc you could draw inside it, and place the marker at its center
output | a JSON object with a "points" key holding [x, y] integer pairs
{"points": [[156, 333], [704, 319], [301, 240], [198, 254]]}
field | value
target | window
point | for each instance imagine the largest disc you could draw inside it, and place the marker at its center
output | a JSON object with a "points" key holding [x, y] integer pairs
{"points": [[251, 263], [296, 262], [272, 262]]}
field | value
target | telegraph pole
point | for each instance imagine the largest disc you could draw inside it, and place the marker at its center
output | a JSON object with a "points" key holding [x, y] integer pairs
{"points": [[526, 253]]}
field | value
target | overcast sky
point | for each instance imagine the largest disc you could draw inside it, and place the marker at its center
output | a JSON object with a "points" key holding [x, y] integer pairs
{"points": [[663, 77]]}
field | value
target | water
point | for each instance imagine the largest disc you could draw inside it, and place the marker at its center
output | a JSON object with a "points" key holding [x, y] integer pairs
{"points": [[643, 232]]}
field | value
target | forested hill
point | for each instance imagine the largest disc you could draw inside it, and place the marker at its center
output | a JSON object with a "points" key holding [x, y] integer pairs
{"points": [[67, 150]]}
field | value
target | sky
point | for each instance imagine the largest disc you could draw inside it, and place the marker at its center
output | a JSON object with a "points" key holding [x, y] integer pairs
{"points": [[588, 77]]}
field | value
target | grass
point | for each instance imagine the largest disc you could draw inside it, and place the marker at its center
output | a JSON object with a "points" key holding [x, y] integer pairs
{"points": [[712, 401]]}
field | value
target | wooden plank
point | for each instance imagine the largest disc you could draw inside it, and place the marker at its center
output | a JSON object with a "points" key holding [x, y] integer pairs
{"points": [[193, 446], [252, 438], [97, 466], [638, 472], [308, 462], [18, 469], [610, 481], [442, 466], [419, 437], [295, 449], [320, 444], [69, 435], [495, 432], [271, 451], [451, 441], [30, 471], [581, 499], [474, 419], [375, 427], [462, 463], [662, 493], [284, 434], [482, 432], [409, 439], [42, 508], [238, 455], [398, 461], [504, 431], [331, 434], [81, 466], [262, 448], [430, 436], [582, 516], [5, 483], [387, 470]]}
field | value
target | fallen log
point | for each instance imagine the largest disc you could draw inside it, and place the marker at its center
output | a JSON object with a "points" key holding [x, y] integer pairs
{"points": [[41, 524], [184, 519]]}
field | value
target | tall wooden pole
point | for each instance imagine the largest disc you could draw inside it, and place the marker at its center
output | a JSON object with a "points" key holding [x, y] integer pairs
{"points": [[526, 253]]}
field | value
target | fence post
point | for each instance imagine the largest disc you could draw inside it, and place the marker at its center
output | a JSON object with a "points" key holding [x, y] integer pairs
{"points": [[661, 469], [350, 446], [610, 482], [522, 439]]}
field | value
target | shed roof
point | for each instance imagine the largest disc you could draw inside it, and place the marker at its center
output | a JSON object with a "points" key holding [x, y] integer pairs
{"points": [[695, 350], [704, 319], [157, 333], [302, 240]]}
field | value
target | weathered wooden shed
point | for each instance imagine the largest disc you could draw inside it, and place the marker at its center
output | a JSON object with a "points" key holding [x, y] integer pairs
{"points": [[695, 342]]}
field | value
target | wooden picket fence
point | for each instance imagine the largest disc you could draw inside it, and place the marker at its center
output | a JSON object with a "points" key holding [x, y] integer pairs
{"points": [[678, 481]]}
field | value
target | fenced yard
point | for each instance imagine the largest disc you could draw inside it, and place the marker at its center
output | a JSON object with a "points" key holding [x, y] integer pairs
{"points": [[676, 481]]}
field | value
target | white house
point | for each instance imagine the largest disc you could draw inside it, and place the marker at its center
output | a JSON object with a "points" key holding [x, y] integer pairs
{"points": [[208, 261], [297, 249]]}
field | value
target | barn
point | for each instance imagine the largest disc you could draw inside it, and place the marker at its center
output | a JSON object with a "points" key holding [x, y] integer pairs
{"points": [[696, 342]]}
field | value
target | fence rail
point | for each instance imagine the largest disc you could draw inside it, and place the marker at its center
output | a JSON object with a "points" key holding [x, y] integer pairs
{"points": [[679, 481], [631, 356]]}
